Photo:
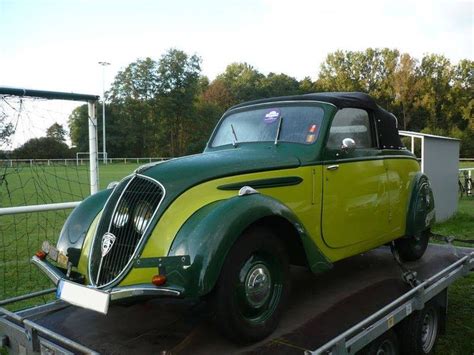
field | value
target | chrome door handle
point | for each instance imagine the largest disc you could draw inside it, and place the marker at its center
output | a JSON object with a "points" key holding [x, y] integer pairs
{"points": [[333, 167]]}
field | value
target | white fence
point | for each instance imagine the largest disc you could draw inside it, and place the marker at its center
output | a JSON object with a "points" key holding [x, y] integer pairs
{"points": [[77, 161]]}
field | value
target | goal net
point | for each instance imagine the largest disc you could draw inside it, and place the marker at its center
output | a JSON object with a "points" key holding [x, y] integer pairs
{"points": [[37, 167]]}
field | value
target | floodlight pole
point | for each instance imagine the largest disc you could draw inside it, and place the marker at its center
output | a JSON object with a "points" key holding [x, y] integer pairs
{"points": [[104, 64]]}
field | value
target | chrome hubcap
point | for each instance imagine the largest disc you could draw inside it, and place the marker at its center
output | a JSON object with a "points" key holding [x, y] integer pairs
{"points": [[258, 284], [429, 330]]}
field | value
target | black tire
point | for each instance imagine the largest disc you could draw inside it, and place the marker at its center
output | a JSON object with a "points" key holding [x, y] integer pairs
{"points": [[248, 303], [386, 344], [419, 332], [412, 248]]}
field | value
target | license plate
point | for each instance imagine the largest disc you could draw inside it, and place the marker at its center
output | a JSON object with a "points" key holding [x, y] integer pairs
{"points": [[55, 255], [83, 296]]}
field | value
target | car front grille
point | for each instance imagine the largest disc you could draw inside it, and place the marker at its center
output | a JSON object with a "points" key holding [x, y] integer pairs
{"points": [[124, 223]]}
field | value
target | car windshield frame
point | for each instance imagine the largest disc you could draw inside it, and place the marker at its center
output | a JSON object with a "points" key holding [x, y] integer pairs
{"points": [[323, 106]]}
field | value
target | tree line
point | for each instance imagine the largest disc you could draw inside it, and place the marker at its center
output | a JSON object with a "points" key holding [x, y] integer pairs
{"points": [[166, 107]]}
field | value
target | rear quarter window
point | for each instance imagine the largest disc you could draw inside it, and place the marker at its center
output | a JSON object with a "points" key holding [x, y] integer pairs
{"points": [[351, 123]]}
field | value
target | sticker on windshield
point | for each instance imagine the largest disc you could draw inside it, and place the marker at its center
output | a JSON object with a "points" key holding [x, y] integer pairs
{"points": [[310, 138], [272, 115]]}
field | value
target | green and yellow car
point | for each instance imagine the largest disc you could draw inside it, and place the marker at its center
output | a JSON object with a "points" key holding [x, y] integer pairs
{"points": [[307, 180]]}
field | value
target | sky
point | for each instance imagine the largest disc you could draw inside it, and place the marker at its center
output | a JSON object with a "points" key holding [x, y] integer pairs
{"points": [[56, 45]]}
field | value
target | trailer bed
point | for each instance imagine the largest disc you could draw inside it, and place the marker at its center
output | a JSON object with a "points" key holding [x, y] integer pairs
{"points": [[320, 308]]}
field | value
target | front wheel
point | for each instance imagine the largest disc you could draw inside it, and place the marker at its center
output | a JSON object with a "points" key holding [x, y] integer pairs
{"points": [[412, 248], [253, 287]]}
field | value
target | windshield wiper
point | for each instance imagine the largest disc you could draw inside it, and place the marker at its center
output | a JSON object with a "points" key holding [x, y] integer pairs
{"points": [[235, 140], [278, 130]]}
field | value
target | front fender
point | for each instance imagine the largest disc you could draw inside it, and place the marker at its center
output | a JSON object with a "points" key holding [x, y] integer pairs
{"points": [[209, 233], [71, 238], [421, 209]]}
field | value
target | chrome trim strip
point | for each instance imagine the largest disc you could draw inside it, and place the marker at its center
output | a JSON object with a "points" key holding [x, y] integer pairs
{"points": [[116, 293], [118, 202], [97, 227], [140, 243], [53, 273], [141, 290], [93, 283], [365, 158]]}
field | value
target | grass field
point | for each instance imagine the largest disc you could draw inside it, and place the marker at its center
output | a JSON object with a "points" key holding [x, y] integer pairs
{"points": [[459, 338], [21, 235]]}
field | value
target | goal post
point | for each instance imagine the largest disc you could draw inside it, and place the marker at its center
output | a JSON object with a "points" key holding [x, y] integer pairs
{"points": [[92, 121], [38, 188]]}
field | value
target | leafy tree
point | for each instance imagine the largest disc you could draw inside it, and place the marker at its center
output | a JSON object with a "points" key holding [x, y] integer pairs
{"points": [[219, 94], [6, 128], [435, 72], [279, 85], [306, 86], [462, 82], [406, 86], [337, 73], [43, 148], [178, 87], [57, 132], [243, 81], [370, 71], [138, 81], [78, 128]]}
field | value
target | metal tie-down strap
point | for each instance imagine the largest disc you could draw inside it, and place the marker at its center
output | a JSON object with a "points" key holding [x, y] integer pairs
{"points": [[409, 276]]}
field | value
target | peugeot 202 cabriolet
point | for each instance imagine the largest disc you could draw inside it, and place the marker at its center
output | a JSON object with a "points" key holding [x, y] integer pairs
{"points": [[308, 180]]}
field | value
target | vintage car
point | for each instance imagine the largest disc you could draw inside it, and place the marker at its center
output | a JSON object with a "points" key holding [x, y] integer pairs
{"points": [[306, 180]]}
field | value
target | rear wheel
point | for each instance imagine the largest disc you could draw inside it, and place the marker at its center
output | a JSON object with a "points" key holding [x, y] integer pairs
{"points": [[419, 332], [386, 344], [253, 287], [412, 248]]}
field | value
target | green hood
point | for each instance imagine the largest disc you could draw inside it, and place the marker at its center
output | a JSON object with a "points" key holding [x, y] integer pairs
{"points": [[180, 174]]}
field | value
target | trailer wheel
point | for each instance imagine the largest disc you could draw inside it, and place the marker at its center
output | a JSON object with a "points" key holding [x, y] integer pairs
{"points": [[419, 332], [412, 248], [253, 287], [386, 344]]}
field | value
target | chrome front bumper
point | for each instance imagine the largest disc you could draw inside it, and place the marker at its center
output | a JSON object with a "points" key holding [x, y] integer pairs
{"points": [[116, 293]]}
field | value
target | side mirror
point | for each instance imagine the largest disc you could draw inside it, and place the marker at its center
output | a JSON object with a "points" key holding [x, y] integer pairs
{"points": [[348, 145]]}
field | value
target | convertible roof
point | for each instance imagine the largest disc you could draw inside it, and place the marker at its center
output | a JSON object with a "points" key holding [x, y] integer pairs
{"points": [[386, 122], [339, 99]]}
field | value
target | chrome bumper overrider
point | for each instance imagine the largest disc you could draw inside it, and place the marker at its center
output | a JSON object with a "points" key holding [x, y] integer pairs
{"points": [[116, 293]]}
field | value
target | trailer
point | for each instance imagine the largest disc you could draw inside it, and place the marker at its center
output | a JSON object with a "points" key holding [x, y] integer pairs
{"points": [[365, 304]]}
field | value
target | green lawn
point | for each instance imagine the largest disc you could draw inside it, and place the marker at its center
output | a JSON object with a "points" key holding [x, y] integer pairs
{"points": [[459, 338], [21, 235]]}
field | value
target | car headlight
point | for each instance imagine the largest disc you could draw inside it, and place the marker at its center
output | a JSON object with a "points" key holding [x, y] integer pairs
{"points": [[122, 215], [142, 216]]}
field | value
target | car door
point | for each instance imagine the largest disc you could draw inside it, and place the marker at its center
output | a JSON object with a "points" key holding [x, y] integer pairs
{"points": [[355, 201]]}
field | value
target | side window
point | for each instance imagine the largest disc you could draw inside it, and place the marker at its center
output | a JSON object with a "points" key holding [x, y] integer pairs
{"points": [[350, 123]]}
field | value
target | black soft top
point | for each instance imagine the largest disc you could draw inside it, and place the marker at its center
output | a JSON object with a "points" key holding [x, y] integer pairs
{"points": [[386, 122]]}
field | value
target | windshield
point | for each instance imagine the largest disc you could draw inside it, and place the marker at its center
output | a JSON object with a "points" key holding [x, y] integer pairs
{"points": [[298, 124]]}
